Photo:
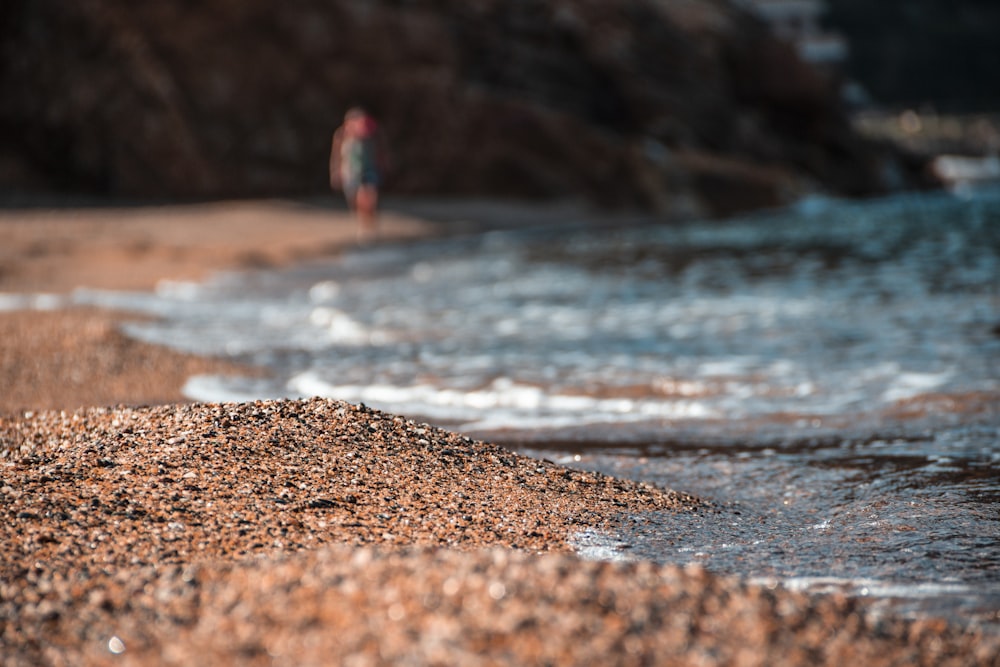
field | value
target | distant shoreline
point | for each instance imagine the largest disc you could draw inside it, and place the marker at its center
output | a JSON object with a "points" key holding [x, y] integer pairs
{"points": [[48, 251], [68, 358]]}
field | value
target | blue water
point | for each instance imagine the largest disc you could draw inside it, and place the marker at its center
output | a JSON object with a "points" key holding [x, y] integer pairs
{"points": [[828, 375]]}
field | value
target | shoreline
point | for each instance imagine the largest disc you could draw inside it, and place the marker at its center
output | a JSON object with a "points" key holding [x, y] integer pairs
{"points": [[316, 532], [63, 357], [51, 250], [54, 250]]}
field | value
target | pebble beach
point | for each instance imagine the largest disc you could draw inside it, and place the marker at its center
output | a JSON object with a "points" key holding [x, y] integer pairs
{"points": [[139, 528]]}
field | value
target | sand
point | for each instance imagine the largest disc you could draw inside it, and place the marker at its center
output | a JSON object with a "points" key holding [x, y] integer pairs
{"points": [[71, 358], [316, 532]]}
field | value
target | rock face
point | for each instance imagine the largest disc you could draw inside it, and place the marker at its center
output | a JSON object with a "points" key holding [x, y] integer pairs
{"points": [[642, 103], [914, 53]]}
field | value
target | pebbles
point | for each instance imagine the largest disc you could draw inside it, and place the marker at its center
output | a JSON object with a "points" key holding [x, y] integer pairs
{"points": [[315, 532], [252, 478]]}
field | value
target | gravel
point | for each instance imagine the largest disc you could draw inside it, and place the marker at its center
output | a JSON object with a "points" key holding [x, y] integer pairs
{"points": [[317, 532]]}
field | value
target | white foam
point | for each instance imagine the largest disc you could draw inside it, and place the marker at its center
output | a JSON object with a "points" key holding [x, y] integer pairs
{"points": [[502, 403], [340, 327], [908, 385], [724, 367], [870, 587], [326, 290], [591, 544], [219, 389], [10, 301], [182, 290]]}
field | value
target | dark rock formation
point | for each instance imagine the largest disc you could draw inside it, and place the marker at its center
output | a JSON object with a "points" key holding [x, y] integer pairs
{"points": [[665, 105], [919, 53]]}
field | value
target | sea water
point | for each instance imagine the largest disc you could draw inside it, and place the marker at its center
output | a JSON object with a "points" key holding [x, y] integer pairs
{"points": [[827, 375]]}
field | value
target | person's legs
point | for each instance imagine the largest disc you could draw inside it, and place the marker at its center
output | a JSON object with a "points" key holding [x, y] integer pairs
{"points": [[366, 207], [350, 190]]}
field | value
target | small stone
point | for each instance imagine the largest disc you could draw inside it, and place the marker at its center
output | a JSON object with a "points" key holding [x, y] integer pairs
{"points": [[116, 645]]}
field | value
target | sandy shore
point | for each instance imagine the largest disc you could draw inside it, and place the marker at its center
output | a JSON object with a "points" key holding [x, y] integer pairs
{"points": [[59, 249], [314, 532], [71, 358]]}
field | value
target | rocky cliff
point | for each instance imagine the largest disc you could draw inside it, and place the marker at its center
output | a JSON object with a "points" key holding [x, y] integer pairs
{"points": [[919, 53], [665, 104]]}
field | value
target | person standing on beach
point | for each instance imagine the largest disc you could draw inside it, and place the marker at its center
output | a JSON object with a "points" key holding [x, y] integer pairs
{"points": [[356, 160]]}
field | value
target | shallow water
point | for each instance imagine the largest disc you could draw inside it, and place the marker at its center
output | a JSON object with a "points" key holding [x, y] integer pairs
{"points": [[907, 518], [828, 375]]}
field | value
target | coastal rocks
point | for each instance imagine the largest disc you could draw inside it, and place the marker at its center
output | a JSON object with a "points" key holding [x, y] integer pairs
{"points": [[678, 107]]}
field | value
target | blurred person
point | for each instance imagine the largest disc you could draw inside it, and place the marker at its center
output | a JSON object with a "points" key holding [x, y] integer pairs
{"points": [[356, 162]]}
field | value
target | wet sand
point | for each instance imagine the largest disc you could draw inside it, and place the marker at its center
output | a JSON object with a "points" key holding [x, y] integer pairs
{"points": [[315, 532]]}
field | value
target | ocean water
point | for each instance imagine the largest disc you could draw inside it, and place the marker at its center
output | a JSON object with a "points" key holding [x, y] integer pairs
{"points": [[827, 375]]}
